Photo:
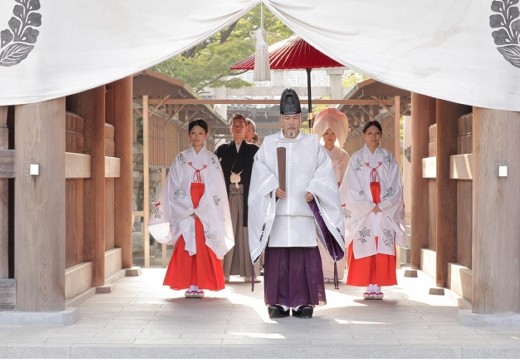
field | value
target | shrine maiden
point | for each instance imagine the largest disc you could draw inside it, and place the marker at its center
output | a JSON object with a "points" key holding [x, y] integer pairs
{"points": [[372, 195], [193, 215]]}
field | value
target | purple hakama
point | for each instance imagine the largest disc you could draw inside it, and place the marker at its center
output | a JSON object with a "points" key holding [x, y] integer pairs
{"points": [[293, 276]]}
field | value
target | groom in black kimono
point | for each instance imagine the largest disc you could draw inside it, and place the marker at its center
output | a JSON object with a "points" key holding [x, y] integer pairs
{"points": [[236, 159]]}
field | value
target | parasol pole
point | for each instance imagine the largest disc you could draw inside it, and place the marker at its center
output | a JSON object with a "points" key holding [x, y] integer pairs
{"points": [[309, 97]]}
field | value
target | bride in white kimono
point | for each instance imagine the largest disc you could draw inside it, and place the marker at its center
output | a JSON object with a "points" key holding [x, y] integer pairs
{"points": [[332, 125], [372, 195]]}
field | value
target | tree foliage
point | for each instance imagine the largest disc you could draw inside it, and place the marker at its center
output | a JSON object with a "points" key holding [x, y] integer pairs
{"points": [[352, 78], [208, 63]]}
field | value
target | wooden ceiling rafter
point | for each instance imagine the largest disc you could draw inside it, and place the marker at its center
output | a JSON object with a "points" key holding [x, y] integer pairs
{"points": [[161, 89], [189, 118], [389, 110], [274, 101], [159, 105], [138, 111], [355, 121], [177, 109]]}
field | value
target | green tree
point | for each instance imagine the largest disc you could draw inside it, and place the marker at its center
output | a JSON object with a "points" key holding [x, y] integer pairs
{"points": [[352, 78], [208, 63]]}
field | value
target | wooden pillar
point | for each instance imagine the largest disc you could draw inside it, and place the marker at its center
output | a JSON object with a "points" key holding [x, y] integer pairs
{"points": [[397, 129], [123, 184], [40, 206], [164, 246], [146, 181], [91, 106], [423, 115], [447, 114], [4, 201], [496, 205]]}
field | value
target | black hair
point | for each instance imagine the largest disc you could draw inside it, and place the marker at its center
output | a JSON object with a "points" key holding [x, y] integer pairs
{"points": [[250, 121], [198, 122], [373, 123], [237, 117]]}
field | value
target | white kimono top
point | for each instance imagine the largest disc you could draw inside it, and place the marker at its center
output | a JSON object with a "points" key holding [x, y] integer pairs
{"points": [[340, 159], [308, 168], [172, 214], [361, 224]]}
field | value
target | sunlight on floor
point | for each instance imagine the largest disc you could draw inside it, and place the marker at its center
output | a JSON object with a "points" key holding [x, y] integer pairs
{"points": [[337, 299], [353, 322], [409, 290], [258, 335], [256, 304]]}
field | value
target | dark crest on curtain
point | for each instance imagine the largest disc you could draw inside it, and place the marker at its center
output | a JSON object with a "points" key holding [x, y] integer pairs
{"points": [[507, 22], [18, 40]]}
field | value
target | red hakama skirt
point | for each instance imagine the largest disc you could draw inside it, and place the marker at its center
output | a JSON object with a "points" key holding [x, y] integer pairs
{"points": [[203, 269], [376, 269]]}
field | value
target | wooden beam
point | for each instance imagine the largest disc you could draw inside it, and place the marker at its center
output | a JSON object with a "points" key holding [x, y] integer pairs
{"points": [[77, 166], [461, 167], [269, 101], [112, 167], [161, 103]]}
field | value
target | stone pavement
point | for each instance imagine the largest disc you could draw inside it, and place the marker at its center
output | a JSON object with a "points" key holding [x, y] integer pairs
{"points": [[142, 319]]}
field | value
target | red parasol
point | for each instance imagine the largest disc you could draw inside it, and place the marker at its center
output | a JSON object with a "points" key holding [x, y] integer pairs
{"points": [[290, 54]]}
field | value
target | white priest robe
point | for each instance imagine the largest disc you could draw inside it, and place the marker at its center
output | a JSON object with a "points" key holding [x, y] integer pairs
{"points": [[361, 224], [172, 215], [290, 222]]}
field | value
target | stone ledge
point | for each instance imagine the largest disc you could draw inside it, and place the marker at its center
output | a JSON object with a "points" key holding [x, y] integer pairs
{"points": [[31, 351], [269, 351], [468, 318]]}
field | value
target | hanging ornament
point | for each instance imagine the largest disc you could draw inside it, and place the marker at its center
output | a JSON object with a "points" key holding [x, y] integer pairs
{"points": [[262, 70]]}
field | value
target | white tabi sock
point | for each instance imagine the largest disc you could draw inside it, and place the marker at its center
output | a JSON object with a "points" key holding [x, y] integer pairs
{"points": [[285, 308]]}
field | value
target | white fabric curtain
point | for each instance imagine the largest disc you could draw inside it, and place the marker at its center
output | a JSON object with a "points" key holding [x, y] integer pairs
{"points": [[444, 48], [84, 44]]}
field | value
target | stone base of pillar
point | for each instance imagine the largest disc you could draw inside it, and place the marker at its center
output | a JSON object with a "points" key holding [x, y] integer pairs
{"points": [[410, 273], [105, 289], [7, 294], [133, 271], [59, 318], [436, 291]]}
